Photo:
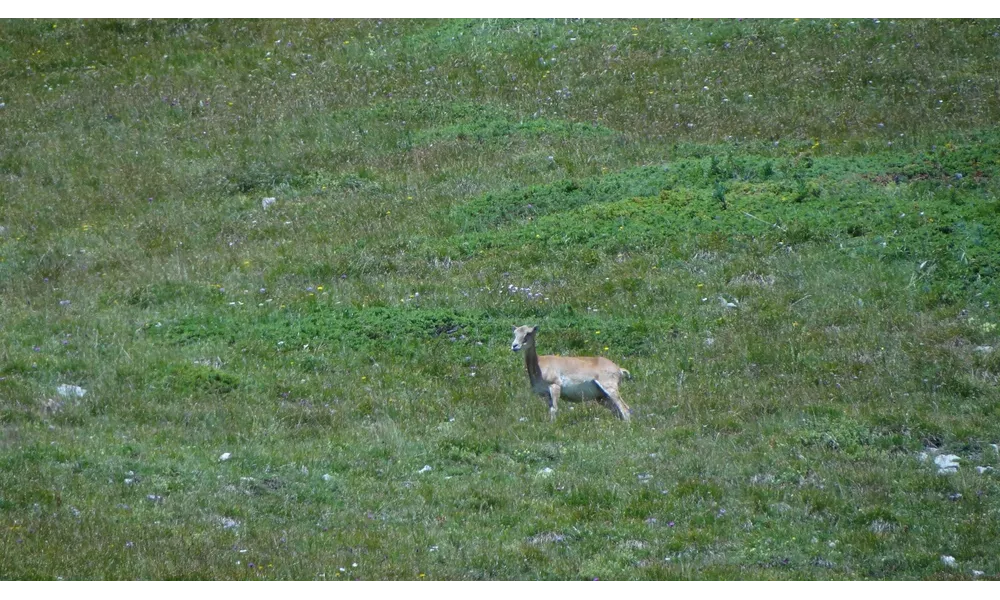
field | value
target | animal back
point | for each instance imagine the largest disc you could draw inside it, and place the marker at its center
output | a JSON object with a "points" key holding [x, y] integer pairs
{"points": [[572, 370]]}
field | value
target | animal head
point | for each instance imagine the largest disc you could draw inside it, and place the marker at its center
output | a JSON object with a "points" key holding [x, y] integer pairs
{"points": [[524, 336]]}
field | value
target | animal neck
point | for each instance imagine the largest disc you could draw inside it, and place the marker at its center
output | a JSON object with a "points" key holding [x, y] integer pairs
{"points": [[531, 363]]}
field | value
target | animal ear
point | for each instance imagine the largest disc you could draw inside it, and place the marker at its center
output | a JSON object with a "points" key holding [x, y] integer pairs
{"points": [[534, 329], [515, 327]]}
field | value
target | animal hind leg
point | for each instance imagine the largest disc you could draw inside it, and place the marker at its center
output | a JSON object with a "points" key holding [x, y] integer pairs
{"points": [[619, 406]]}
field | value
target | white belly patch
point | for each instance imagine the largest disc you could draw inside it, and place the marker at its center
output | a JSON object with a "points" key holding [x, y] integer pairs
{"points": [[586, 390]]}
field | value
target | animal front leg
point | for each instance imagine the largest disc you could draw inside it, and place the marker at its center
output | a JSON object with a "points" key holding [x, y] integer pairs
{"points": [[554, 391]]}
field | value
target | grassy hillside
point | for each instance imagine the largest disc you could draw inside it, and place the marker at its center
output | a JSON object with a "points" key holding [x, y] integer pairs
{"points": [[788, 231]]}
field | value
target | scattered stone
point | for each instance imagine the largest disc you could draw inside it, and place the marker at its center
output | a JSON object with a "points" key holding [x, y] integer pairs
{"points": [[426, 469], [215, 363], [955, 497], [228, 523], [51, 406], [727, 304], [267, 202], [753, 279], [225, 456], [946, 463], [982, 470], [762, 478], [948, 560], [327, 477], [154, 498], [547, 471], [546, 538], [996, 448], [67, 391], [976, 573], [984, 349]]}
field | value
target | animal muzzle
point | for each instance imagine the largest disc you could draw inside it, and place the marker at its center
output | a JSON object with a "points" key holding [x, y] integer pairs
{"points": [[515, 347]]}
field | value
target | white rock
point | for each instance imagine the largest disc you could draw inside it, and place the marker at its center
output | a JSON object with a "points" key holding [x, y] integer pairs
{"points": [[546, 472], [727, 304], [976, 573], [66, 390], [266, 202], [327, 477], [983, 469], [984, 349], [948, 560], [425, 469], [923, 456], [228, 523], [225, 456], [946, 463], [996, 448]]}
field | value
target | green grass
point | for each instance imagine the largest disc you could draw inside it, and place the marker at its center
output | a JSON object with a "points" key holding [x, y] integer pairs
{"points": [[615, 182]]}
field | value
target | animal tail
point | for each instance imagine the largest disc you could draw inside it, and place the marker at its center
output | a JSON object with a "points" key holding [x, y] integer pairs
{"points": [[625, 372]]}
